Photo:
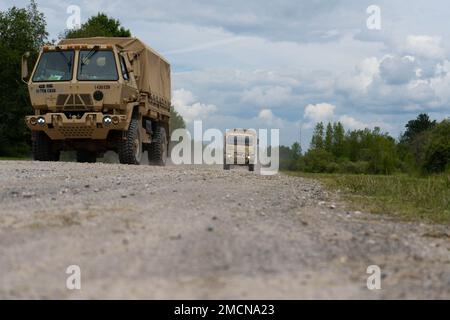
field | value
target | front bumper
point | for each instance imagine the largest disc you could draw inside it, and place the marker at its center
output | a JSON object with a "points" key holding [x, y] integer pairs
{"points": [[89, 126], [243, 159]]}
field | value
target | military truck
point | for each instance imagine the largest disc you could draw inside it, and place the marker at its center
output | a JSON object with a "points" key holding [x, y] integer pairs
{"points": [[240, 148], [97, 94]]}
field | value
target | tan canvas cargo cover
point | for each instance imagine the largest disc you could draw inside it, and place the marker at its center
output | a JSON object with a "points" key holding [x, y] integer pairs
{"points": [[152, 69]]}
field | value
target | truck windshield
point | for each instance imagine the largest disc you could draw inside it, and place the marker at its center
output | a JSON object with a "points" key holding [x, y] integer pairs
{"points": [[54, 66], [98, 65], [240, 140]]}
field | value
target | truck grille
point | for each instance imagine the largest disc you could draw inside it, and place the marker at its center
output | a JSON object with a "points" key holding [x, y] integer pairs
{"points": [[74, 101], [76, 132]]}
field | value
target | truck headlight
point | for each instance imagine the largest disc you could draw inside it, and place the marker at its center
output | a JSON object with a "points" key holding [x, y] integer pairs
{"points": [[41, 121], [107, 120]]}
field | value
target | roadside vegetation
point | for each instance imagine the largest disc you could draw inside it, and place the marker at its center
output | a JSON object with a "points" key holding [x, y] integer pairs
{"points": [[21, 30], [408, 177], [402, 196]]}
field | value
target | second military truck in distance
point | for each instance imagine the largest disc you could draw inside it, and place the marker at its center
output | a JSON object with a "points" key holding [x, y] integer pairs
{"points": [[240, 148], [97, 94]]}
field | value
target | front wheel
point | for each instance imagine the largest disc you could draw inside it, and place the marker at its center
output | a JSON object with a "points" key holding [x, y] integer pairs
{"points": [[226, 166], [42, 147], [130, 149]]}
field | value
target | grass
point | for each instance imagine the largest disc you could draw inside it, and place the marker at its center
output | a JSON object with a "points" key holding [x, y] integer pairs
{"points": [[402, 196]]}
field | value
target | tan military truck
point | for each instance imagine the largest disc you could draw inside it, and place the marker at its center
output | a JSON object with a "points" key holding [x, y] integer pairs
{"points": [[97, 94], [240, 148]]}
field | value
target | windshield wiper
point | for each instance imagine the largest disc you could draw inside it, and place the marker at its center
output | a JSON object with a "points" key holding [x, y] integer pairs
{"points": [[68, 61], [90, 54]]}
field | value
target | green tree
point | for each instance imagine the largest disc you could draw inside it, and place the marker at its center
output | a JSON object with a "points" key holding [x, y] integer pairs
{"points": [[285, 156], [338, 139], [437, 151], [176, 121], [415, 127], [317, 160], [21, 30], [295, 155], [317, 138], [329, 138], [290, 157], [415, 139], [382, 150], [98, 26], [296, 150]]}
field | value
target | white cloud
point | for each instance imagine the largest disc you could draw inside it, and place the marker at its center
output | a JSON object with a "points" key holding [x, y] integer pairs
{"points": [[362, 78], [267, 117], [266, 114], [425, 46], [183, 101], [319, 112], [352, 123], [182, 97]]}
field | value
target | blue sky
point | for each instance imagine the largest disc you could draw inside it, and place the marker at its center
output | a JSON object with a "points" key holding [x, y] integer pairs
{"points": [[287, 64]]}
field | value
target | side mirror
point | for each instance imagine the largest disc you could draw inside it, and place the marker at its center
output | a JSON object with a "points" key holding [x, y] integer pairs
{"points": [[25, 57]]}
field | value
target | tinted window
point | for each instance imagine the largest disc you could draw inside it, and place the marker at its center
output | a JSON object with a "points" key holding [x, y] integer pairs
{"points": [[97, 65], [54, 66], [240, 140]]}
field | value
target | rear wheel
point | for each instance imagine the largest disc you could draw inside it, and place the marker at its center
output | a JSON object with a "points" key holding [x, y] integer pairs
{"points": [[130, 150], [157, 152], [42, 147], [86, 156]]}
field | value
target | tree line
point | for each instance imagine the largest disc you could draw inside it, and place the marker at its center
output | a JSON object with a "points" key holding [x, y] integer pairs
{"points": [[424, 147], [24, 30]]}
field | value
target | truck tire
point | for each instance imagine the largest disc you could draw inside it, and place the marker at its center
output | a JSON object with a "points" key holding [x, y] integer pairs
{"points": [[225, 165], [157, 152], [42, 147], [251, 167], [130, 150], [86, 156]]}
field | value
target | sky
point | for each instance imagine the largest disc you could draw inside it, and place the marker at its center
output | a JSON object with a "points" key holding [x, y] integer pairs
{"points": [[288, 64]]}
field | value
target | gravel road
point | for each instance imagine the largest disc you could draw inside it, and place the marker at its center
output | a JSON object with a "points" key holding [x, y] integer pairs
{"points": [[202, 233]]}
